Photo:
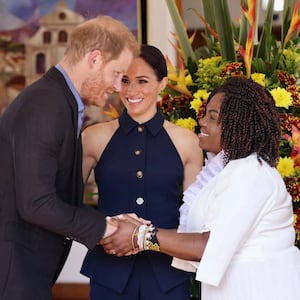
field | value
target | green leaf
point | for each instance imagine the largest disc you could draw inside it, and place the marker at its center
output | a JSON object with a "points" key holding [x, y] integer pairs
{"points": [[209, 16], [183, 38], [244, 28], [224, 29], [263, 50]]}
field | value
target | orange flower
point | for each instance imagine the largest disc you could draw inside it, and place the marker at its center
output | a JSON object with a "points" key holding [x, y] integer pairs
{"points": [[211, 30], [177, 46], [295, 22], [247, 53], [113, 113]]}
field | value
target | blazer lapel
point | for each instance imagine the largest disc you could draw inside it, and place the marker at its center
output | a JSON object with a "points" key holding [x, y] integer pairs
{"points": [[77, 182]]}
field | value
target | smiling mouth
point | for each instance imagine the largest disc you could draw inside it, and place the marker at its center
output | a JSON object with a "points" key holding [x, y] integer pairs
{"points": [[138, 100], [203, 134]]}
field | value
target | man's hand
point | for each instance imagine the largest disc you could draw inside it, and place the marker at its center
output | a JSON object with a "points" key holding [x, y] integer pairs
{"points": [[111, 226], [120, 242], [133, 218]]}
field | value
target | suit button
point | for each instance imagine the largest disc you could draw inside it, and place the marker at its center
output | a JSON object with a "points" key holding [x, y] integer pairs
{"points": [[139, 174], [139, 200], [140, 128], [137, 152]]}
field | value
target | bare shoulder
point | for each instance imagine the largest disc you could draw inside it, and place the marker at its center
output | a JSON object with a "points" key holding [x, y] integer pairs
{"points": [[96, 137], [101, 128], [185, 141], [187, 145]]}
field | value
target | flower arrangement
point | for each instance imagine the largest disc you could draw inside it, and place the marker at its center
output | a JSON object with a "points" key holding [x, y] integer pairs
{"points": [[235, 50]]}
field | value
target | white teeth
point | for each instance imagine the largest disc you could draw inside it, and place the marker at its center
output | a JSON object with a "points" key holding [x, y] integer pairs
{"points": [[134, 100], [204, 134]]}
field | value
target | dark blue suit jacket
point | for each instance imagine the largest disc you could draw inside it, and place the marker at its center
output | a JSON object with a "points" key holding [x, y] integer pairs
{"points": [[41, 189]]}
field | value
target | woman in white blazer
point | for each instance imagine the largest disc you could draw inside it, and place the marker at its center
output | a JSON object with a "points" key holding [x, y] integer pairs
{"points": [[236, 224]]}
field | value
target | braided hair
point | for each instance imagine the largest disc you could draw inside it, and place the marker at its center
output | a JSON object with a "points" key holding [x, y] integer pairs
{"points": [[249, 121]]}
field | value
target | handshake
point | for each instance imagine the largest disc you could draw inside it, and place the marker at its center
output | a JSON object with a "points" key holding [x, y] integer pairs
{"points": [[127, 234]]}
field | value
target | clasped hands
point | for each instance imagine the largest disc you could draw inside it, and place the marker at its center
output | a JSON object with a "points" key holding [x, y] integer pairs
{"points": [[118, 239]]}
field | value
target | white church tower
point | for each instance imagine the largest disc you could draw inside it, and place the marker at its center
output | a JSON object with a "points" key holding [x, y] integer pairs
{"points": [[47, 46]]}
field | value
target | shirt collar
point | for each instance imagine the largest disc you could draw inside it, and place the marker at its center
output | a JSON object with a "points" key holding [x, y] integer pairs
{"points": [[78, 99], [154, 125]]}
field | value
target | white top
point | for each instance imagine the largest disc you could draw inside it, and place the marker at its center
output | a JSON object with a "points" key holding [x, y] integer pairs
{"points": [[213, 166], [250, 253]]}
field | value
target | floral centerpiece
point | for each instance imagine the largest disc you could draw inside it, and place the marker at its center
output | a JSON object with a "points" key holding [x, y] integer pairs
{"points": [[236, 50]]}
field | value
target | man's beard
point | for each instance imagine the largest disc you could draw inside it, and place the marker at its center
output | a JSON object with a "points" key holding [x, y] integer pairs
{"points": [[92, 89]]}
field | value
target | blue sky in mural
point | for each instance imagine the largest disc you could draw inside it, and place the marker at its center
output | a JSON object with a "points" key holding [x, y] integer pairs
{"points": [[15, 14]]}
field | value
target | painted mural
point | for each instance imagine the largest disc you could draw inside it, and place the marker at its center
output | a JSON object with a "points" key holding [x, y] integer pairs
{"points": [[21, 24]]}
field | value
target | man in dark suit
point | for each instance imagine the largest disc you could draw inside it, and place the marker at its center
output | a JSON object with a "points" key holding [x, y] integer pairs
{"points": [[41, 188]]}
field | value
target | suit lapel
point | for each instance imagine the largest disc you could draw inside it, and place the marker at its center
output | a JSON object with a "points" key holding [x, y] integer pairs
{"points": [[77, 182]]}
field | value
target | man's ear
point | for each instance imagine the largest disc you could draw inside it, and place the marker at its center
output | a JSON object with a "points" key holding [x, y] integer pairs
{"points": [[94, 58]]}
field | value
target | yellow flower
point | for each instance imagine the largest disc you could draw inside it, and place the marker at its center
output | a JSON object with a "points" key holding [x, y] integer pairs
{"points": [[201, 94], [259, 78], [188, 123], [188, 80], [211, 60], [198, 97], [295, 219], [282, 97], [196, 104], [286, 166]]}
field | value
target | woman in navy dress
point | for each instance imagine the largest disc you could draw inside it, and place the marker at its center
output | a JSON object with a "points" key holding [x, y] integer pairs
{"points": [[142, 163]]}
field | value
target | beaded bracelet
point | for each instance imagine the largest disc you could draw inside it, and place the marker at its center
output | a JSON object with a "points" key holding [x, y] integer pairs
{"points": [[151, 241], [146, 237]]}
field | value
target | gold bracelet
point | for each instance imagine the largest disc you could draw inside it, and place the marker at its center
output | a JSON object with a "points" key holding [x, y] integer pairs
{"points": [[133, 236]]}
